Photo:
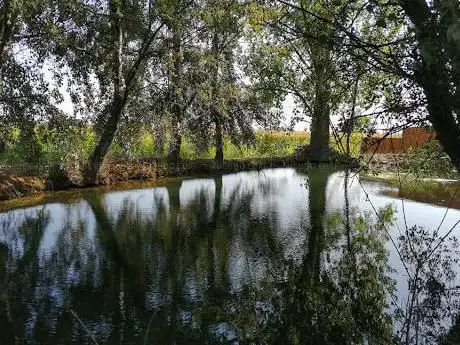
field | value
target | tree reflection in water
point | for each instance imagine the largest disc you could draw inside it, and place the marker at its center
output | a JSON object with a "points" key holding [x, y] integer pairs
{"points": [[336, 294], [199, 262]]}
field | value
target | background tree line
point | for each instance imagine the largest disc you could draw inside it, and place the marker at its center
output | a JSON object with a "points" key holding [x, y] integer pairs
{"points": [[210, 70]]}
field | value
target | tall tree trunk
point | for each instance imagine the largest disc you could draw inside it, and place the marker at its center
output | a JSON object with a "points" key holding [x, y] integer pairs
{"points": [[441, 115], [219, 158], [177, 103], [29, 141], [176, 141], [433, 76], [105, 141], [319, 142], [6, 33], [219, 143], [118, 100]]}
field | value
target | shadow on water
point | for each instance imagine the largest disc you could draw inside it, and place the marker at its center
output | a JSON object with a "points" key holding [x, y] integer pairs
{"points": [[248, 258]]}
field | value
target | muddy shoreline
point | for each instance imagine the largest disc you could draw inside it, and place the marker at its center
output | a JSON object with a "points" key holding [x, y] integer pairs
{"points": [[15, 185], [440, 192]]}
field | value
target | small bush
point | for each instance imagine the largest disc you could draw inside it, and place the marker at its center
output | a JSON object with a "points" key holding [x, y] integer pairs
{"points": [[430, 160]]}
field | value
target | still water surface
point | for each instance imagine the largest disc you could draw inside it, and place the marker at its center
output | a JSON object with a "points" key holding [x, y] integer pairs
{"points": [[252, 257]]}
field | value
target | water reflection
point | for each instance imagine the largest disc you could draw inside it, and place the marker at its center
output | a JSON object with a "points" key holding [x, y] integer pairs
{"points": [[270, 257], [337, 294]]}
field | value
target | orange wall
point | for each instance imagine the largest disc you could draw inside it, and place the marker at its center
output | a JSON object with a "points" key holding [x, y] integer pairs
{"points": [[411, 138]]}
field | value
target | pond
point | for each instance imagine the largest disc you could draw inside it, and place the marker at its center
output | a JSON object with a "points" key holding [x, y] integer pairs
{"points": [[277, 256]]}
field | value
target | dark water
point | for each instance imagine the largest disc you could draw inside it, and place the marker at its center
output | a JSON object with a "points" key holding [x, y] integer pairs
{"points": [[272, 257]]}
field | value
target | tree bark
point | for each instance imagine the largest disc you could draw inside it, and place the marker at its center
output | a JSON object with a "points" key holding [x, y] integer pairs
{"points": [[110, 128], [219, 158], [319, 142], [176, 141], [441, 115]]}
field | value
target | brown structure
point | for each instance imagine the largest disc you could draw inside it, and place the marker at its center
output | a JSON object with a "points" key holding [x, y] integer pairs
{"points": [[410, 139]]}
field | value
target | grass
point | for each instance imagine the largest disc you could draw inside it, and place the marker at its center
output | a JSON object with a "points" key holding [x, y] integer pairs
{"points": [[428, 190], [54, 148], [78, 142]]}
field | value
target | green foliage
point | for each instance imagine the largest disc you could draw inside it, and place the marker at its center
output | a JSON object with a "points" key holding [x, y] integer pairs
{"points": [[54, 145], [430, 160], [183, 63], [356, 139], [266, 145], [50, 145]]}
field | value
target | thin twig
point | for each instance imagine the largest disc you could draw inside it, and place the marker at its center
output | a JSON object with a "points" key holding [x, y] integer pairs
{"points": [[386, 229], [447, 210], [442, 239], [84, 327], [146, 336]]}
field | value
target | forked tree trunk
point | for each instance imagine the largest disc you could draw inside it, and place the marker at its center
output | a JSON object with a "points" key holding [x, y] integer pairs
{"points": [[118, 101]]}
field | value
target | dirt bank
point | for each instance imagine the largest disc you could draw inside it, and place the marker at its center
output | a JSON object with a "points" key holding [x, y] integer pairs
{"points": [[14, 184], [17, 186]]}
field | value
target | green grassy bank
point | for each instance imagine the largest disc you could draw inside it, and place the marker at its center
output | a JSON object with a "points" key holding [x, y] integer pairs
{"points": [[78, 142]]}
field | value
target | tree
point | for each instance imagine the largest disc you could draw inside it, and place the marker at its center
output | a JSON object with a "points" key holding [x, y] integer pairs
{"points": [[106, 46], [224, 105], [422, 52], [26, 97], [301, 66], [124, 77], [303, 55], [437, 66], [180, 67]]}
